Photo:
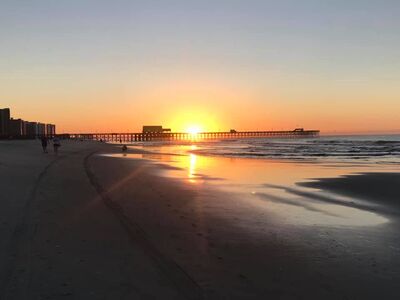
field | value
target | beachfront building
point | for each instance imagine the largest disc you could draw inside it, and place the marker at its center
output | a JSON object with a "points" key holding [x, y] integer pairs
{"points": [[4, 121], [31, 129], [17, 127], [50, 130], [41, 129]]}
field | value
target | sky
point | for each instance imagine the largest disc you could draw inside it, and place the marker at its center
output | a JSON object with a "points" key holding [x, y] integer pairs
{"points": [[113, 66]]}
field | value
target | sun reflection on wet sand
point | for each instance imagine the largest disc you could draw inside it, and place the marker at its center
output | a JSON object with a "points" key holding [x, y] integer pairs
{"points": [[192, 168], [269, 185]]}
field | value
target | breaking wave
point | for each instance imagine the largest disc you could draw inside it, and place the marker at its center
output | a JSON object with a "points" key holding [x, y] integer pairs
{"points": [[349, 147]]}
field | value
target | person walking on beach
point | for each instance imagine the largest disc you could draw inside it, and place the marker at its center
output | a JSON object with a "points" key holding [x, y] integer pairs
{"points": [[44, 144], [56, 145]]}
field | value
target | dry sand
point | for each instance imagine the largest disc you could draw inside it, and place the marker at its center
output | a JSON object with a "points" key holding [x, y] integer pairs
{"points": [[60, 240], [85, 226]]}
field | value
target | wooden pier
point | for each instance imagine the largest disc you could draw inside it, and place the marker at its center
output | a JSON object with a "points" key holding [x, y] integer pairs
{"points": [[183, 136]]}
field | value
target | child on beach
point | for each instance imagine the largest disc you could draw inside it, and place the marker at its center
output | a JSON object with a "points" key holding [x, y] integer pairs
{"points": [[44, 144], [56, 145]]}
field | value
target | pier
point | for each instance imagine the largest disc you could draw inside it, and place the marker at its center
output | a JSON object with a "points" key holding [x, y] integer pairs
{"points": [[184, 136]]}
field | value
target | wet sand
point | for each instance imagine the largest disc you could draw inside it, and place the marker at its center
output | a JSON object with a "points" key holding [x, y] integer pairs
{"points": [[377, 187], [235, 250], [86, 226]]}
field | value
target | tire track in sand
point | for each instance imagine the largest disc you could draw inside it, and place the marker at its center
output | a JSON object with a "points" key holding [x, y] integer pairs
{"points": [[177, 276], [18, 252]]}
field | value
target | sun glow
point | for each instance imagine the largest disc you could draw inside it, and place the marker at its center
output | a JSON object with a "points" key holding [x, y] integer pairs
{"points": [[194, 130]]}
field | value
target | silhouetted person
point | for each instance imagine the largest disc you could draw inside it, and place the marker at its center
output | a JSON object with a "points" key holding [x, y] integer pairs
{"points": [[56, 145], [124, 148], [44, 144]]}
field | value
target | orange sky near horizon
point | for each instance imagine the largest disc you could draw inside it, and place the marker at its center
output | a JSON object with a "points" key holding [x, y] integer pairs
{"points": [[212, 105]]}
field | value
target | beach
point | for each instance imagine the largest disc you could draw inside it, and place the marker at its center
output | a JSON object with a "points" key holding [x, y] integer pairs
{"points": [[93, 223], [59, 239]]}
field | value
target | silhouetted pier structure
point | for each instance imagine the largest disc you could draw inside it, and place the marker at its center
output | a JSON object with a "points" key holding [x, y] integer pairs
{"points": [[184, 136]]}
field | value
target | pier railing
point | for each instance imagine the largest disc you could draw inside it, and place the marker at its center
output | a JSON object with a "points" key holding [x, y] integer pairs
{"points": [[184, 136]]}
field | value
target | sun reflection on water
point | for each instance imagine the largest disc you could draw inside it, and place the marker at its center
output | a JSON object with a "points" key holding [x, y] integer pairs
{"points": [[268, 185]]}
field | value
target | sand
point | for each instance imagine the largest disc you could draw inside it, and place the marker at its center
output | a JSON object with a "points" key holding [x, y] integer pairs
{"points": [[371, 186], [86, 226], [60, 240]]}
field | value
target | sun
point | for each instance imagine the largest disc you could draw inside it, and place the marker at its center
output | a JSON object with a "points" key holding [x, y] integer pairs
{"points": [[194, 130]]}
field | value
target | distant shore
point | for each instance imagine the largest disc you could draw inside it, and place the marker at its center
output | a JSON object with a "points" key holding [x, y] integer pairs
{"points": [[85, 226]]}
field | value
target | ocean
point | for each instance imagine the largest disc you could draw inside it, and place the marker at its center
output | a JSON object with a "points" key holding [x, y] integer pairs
{"points": [[385, 148]]}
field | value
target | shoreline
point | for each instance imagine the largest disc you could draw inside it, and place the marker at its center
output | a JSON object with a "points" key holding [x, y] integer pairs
{"points": [[183, 241], [237, 266]]}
